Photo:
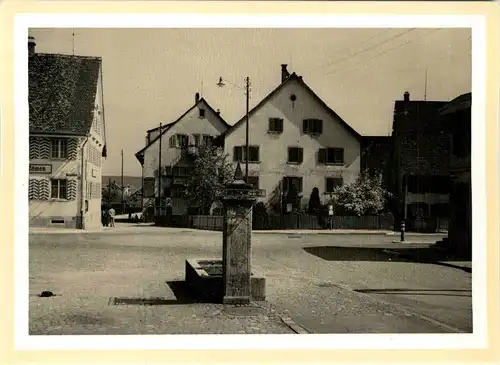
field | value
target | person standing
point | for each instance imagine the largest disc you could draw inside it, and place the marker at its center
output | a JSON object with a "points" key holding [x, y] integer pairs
{"points": [[111, 214]]}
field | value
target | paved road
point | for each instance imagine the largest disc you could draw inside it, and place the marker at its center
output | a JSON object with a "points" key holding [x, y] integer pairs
{"points": [[326, 284]]}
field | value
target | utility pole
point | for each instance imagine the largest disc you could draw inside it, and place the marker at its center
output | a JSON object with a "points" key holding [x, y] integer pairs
{"points": [[123, 207], [247, 148], [159, 172]]}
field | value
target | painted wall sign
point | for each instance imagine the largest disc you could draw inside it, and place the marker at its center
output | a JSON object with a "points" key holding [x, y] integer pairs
{"points": [[40, 169]]}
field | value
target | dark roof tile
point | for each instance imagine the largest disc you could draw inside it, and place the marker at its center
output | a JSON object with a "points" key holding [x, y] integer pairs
{"points": [[62, 91]]}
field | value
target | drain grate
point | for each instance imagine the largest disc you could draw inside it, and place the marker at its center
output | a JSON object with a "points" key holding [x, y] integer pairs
{"points": [[141, 301]]}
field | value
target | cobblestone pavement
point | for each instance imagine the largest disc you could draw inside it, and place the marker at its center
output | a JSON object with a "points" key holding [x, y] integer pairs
{"points": [[326, 284]]}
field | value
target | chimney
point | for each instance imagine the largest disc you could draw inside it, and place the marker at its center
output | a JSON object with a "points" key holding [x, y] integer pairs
{"points": [[284, 73], [407, 97], [218, 112], [197, 97], [31, 46]]}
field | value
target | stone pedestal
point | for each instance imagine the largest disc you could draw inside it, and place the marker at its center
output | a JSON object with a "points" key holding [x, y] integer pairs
{"points": [[237, 252]]}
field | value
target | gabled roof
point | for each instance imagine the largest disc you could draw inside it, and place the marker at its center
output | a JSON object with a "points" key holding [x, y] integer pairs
{"points": [[297, 78], [459, 103], [62, 91], [140, 154]]}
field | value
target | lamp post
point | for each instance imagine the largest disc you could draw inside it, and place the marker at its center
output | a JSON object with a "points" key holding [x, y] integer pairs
{"points": [[247, 94]]}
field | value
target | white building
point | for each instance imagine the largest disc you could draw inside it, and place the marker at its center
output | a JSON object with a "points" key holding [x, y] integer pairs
{"points": [[199, 124], [67, 140], [295, 138]]}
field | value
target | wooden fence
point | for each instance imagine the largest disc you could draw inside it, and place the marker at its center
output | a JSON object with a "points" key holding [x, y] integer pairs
{"points": [[282, 222]]}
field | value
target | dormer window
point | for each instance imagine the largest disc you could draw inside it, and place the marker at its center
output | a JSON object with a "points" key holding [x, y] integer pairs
{"points": [[202, 113]]}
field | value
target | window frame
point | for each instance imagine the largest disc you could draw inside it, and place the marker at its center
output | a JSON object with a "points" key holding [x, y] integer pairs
{"points": [[300, 155], [277, 123], [59, 187], [330, 178], [323, 156], [243, 153], [290, 178], [182, 138], [308, 123], [59, 155]]}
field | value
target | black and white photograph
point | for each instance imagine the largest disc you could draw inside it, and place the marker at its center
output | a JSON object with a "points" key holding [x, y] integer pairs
{"points": [[250, 180]]}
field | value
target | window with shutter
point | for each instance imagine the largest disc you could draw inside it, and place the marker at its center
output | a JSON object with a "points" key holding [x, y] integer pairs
{"points": [[253, 152], [237, 154], [322, 156], [182, 140], [312, 126], [172, 141], [275, 125]]}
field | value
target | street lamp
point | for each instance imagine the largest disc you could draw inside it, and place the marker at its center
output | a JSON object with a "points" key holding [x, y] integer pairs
{"points": [[247, 93]]}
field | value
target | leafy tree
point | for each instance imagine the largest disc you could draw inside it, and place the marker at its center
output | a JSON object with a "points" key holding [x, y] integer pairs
{"points": [[210, 172], [314, 201], [111, 193], [364, 196]]}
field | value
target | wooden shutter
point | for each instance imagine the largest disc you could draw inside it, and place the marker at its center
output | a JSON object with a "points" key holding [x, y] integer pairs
{"points": [[339, 155], [305, 125], [172, 141], [320, 126], [236, 153], [300, 154], [299, 184], [322, 156]]}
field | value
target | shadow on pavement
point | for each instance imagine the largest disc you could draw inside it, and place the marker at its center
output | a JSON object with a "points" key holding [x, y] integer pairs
{"points": [[185, 296], [421, 255], [437, 292]]}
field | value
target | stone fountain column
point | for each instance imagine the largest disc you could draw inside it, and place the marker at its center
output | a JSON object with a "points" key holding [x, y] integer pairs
{"points": [[237, 241]]}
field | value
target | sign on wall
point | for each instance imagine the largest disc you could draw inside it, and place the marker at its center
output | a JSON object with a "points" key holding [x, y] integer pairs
{"points": [[40, 168]]}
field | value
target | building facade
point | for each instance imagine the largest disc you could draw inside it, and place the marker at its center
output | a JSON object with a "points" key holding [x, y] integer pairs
{"points": [[419, 164], [295, 139], [67, 140], [458, 114], [167, 157]]}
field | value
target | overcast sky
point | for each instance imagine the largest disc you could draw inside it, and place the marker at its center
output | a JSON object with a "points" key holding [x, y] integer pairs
{"points": [[151, 75]]}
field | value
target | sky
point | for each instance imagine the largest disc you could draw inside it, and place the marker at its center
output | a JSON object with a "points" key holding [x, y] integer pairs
{"points": [[151, 76]]}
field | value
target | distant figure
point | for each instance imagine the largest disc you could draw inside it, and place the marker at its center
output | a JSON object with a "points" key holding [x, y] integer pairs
{"points": [[111, 214]]}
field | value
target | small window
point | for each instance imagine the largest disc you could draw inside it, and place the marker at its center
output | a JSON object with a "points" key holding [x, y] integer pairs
{"points": [[239, 153], [288, 181], [275, 125], [332, 183], [173, 141], [312, 126], [254, 181], [59, 148], [295, 155], [331, 156], [202, 113], [182, 140], [58, 189]]}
